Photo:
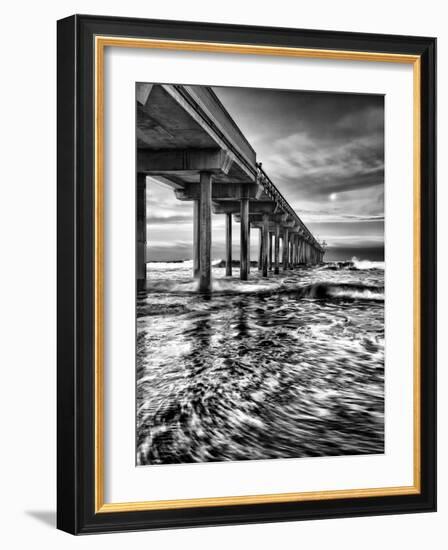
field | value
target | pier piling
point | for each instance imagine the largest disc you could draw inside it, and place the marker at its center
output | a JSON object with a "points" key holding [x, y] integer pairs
{"points": [[244, 239], [285, 249], [276, 248], [196, 238], [228, 245], [141, 232], [205, 243], [291, 251], [265, 244]]}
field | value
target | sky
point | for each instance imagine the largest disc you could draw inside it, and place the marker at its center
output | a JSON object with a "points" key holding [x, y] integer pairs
{"points": [[324, 151]]}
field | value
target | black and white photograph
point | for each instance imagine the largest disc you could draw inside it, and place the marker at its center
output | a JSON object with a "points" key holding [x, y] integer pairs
{"points": [[260, 274]]}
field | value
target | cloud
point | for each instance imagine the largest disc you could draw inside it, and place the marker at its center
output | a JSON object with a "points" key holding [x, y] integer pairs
{"points": [[318, 167]]}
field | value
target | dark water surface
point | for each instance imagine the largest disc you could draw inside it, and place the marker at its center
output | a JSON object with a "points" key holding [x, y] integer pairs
{"points": [[290, 366]]}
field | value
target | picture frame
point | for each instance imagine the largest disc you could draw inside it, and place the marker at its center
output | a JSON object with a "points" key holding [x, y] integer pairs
{"points": [[82, 42]]}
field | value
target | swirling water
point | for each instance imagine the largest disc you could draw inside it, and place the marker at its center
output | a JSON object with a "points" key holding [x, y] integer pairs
{"points": [[286, 367]]}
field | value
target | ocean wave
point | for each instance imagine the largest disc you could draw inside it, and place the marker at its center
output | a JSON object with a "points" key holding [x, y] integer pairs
{"points": [[173, 265], [286, 366], [317, 290], [353, 265], [353, 291], [366, 264]]}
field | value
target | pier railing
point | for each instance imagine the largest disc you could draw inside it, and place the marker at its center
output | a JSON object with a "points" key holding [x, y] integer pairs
{"points": [[273, 192]]}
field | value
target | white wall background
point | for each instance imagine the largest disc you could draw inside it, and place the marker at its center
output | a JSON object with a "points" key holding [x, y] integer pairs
{"points": [[27, 288]]}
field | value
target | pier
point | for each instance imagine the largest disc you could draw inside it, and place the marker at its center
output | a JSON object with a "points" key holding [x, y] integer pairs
{"points": [[188, 141]]}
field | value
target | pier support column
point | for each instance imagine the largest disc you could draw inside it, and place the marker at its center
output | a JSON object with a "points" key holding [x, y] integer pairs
{"points": [[270, 252], [205, 243], [260, 249], [265, 244], [248, 247], [196, 238], [295, 251], [291, 251], [285, 249], [141, 232], [280, 252], [228, 245], [244, 239], [276, 248]]}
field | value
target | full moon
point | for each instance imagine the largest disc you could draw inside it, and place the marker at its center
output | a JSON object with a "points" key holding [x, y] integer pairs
{"points": [[333, 196]]}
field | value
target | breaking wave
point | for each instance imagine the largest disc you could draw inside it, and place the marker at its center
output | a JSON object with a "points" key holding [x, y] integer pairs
{"points": [[367, 264], [353, 265], [302, 284], [317, 290], [350, 291]]}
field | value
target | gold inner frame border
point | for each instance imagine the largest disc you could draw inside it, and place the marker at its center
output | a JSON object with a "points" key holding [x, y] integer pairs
{"points": [[101, 42]]}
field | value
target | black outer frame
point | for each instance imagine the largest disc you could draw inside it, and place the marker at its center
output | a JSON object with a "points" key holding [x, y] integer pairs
{"points": [[75, 295]]}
